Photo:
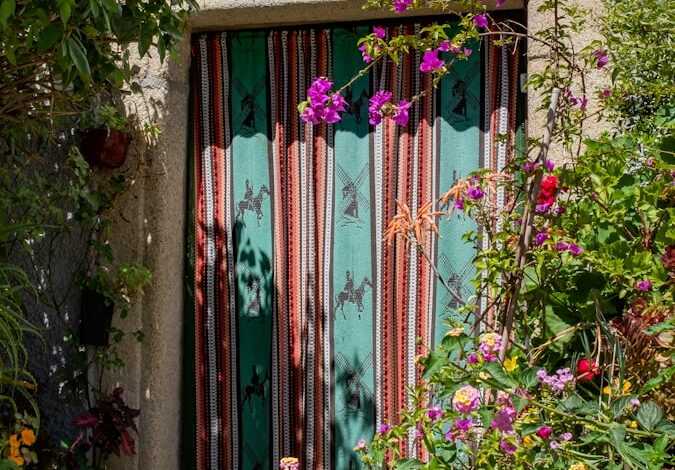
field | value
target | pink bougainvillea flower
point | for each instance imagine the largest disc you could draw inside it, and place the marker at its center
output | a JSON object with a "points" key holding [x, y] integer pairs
{"points": [[435, 413], [401, 113], [377, 101], [475, 193], [507, 447], [321, 105], [444, 46], [364, 53], [431, 62], [645, 285], [481, 21], [379, 32], [540, 238], [601, 57], [384, 428], [401, 5], [545, 432], [466, 399]]}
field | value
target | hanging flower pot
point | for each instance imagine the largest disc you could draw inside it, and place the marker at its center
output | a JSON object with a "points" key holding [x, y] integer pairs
{"points": [[95, 318], [105, 147]]}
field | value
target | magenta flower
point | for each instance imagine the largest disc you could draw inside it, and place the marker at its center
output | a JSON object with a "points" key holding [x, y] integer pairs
{"points": [[463, 424], [467, 52], [379, 32], [558, 381], [529, 166], [377, 101], [545, 432], [503, 420], [601, 57], [364, 53], [321, 105], [540, 238], [401, 113], [431, 62], [459, 204], [401, 5], [444, 46], [549, 165], [481, 21], [644, 285], [475, 193], [435, 413], [472, 358], [466, 399], [384, 428], [507, 447], [574, 250]]}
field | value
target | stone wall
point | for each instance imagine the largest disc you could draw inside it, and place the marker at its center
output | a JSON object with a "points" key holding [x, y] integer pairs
{"points": [[153, 227]]}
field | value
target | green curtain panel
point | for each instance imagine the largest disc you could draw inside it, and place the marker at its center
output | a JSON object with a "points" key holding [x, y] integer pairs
{"points": [[303, 323]]}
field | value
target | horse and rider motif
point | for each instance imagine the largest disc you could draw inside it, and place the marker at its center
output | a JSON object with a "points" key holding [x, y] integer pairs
{"points": [[252, 202], [352, 295]]}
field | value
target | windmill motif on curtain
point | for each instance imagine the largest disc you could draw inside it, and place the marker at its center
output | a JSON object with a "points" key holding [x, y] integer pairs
{"points": [[306, 322]]}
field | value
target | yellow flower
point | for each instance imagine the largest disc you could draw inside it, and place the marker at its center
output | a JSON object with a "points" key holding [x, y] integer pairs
{"points": [[607, 390], [528, 441], [28, 436], [14, 442], [627, 386], [456, 331], [511, 364], [490, 339], [633, 424], [578, 466]]}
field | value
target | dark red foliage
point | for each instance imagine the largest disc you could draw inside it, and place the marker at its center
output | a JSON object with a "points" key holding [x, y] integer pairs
{"points": [[668, 259], [108, 425], [547, 190]]}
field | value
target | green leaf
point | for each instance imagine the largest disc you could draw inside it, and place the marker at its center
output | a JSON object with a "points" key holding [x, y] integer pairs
{"points": [[65, 9], [663, 377], [649, 415], [7, 9], [408, 464], [497, 372], [79, 58], [434, 362], [49, 36]]}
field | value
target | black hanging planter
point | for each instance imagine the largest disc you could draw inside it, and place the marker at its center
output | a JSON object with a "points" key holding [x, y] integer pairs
{"points": [[95, 318], [105, 147]]}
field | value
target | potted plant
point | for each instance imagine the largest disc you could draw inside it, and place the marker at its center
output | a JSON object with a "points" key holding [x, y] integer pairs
{"points": [[105, 142]]}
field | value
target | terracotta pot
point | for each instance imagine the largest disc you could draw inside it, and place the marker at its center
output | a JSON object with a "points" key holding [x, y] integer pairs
{"points": [[105, 147], [95, 318]]}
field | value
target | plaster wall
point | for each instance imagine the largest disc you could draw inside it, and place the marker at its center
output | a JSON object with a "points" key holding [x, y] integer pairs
{"points": [[151, 224]]}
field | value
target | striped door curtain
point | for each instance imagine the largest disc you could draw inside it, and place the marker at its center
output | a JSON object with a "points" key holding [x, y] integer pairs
{"points": [[306, 323]]}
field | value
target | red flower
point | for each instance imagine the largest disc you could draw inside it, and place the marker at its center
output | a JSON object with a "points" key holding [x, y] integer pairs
{"points": [[547, 190], [587, 370]]}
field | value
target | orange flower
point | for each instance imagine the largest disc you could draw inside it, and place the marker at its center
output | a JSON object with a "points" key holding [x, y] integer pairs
{"points": [[16, 457], [14, 442], [412, 229], [28, 436]]}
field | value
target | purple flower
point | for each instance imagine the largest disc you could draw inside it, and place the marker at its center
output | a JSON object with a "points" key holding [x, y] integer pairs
{"points": [[558, 381], [549, 165], [401, 5], [507, 447], [554, 445], [377, 101], [475, 193], [529, 167], [542, 208], [472, 358], [401, 111], [545, 432], [430, 61], [379, 32], [574, 250], [321, 105], [644, 285], [444, 46], [540, 238], [467, 52], [459, 204], [490, 343], [566, 436], [463, 424], [601, 57], [384, 428], [364, 53], [435, 413], [503, 420], [635, 402], [480, 21]]}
